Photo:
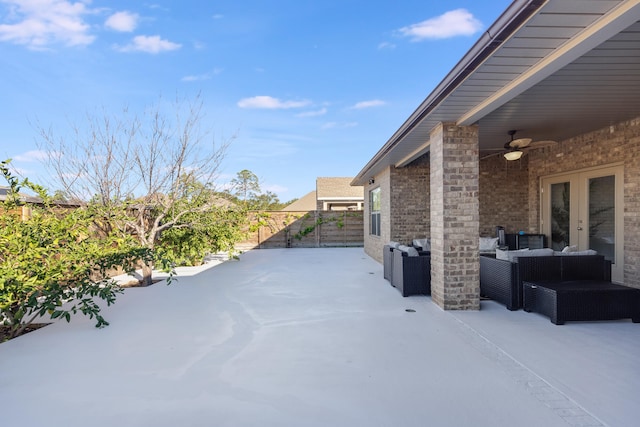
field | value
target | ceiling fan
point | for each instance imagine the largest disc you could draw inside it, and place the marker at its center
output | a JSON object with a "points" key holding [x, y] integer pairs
{"points": [[516, 147]]}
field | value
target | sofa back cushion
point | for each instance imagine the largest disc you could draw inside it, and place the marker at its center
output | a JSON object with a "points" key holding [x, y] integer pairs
{"points": [[576, 253], [510, 256]]}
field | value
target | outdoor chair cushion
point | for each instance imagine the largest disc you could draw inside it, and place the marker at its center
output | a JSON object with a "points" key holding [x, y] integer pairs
{"points": [[422, 244], [410, 251]]}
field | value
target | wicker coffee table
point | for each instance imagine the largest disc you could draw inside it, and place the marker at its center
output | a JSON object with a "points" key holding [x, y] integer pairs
{"points": [[582, 300]]}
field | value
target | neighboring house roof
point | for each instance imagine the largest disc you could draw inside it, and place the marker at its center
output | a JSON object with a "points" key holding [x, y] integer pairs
{"points": [[549, 69], [4, 192], [338, 188], [305, 203]]}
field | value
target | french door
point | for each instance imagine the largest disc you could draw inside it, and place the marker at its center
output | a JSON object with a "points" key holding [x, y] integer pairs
{"points": [[585, 209]]}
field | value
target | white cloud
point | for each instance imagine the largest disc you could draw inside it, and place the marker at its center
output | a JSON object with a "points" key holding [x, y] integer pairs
{"points": [[149, 44], [386, 45], [124, 22], [201, 77], [368, 104], [34, 156], [459, 22], [339, 125], [40, 23], [320, 112], [218, 16], [270, 103]]}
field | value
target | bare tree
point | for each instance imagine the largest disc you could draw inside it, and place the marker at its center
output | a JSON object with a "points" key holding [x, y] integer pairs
{"points": [[139, 170]]}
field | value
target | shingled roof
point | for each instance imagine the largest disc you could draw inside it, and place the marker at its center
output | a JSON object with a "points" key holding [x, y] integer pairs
{"points": [[337, 188], [305, 203]]}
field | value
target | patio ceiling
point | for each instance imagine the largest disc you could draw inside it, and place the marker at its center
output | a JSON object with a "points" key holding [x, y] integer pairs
{"points": [[550, 70]]}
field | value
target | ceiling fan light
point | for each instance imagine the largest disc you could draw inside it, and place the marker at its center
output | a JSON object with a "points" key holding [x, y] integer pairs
{"points": [[513, 155]]}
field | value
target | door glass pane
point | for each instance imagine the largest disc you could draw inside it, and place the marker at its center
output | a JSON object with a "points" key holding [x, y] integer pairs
{"points": [[602, 215], [560, 208]]}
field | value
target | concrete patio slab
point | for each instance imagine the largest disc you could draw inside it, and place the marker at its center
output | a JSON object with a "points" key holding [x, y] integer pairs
{"points": [[315, 337]]}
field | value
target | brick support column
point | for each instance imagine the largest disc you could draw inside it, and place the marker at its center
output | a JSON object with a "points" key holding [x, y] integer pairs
{"points": [[455, 225]]}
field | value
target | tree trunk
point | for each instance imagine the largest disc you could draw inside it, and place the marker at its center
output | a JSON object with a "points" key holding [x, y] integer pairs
{"points": [[147, 270]]}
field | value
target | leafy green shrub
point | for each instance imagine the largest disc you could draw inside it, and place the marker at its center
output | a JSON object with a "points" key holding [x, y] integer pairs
{"points": [[54, 262]]}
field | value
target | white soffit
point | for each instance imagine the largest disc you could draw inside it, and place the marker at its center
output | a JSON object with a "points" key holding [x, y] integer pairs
{"points": [[544, 24]]}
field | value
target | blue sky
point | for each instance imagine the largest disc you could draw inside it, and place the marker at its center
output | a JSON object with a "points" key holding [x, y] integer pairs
{"points": [[310, 88]]}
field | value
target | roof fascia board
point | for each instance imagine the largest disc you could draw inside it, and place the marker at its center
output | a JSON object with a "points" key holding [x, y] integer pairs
{"points": [[342, 198], [608, 26], [422, 149]]}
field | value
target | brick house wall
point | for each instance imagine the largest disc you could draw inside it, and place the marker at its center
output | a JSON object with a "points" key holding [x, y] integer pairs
{"points": [[504, 198], [404, 213], [410, 201], [614, 144]]}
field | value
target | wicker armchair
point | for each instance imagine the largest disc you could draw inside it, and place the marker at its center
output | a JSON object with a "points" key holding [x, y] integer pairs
{"points": [[411, 275], [387, 260]]}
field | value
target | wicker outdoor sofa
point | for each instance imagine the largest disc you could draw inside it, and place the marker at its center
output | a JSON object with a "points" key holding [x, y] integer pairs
{"points": [[562, 287], [501, 280]]}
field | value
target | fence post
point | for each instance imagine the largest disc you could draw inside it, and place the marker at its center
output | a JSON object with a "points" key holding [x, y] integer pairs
{"points": [[318, 216], [344, 227]]}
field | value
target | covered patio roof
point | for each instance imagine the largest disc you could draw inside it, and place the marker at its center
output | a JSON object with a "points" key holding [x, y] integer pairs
{"points": [[549, 69]]}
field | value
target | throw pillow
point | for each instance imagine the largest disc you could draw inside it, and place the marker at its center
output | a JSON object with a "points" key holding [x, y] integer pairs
{"points": [[488, 244]]}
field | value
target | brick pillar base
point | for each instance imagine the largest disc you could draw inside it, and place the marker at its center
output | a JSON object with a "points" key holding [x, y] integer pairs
{"points": [[455, 224]]}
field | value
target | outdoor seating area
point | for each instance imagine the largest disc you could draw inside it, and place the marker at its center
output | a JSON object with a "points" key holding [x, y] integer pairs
{"points": [[562, 286]]}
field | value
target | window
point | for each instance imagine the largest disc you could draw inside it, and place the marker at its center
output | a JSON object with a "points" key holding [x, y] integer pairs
{"points": [[374, 208]]}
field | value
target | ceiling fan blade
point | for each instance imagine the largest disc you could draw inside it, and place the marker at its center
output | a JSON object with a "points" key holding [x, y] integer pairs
{"points": [[520, 142], [540, 144], [492, 155]]}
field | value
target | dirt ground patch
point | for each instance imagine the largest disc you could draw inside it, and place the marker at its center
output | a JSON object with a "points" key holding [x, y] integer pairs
{"points": [[5, 330]]}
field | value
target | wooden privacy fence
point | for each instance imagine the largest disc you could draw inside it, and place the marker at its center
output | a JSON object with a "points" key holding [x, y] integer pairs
{"points": [[312, 229]]}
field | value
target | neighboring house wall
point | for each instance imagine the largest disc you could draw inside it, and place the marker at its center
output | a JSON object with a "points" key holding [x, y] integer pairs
{"points": [[337, 194], [503, 195], [613, 144]]}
